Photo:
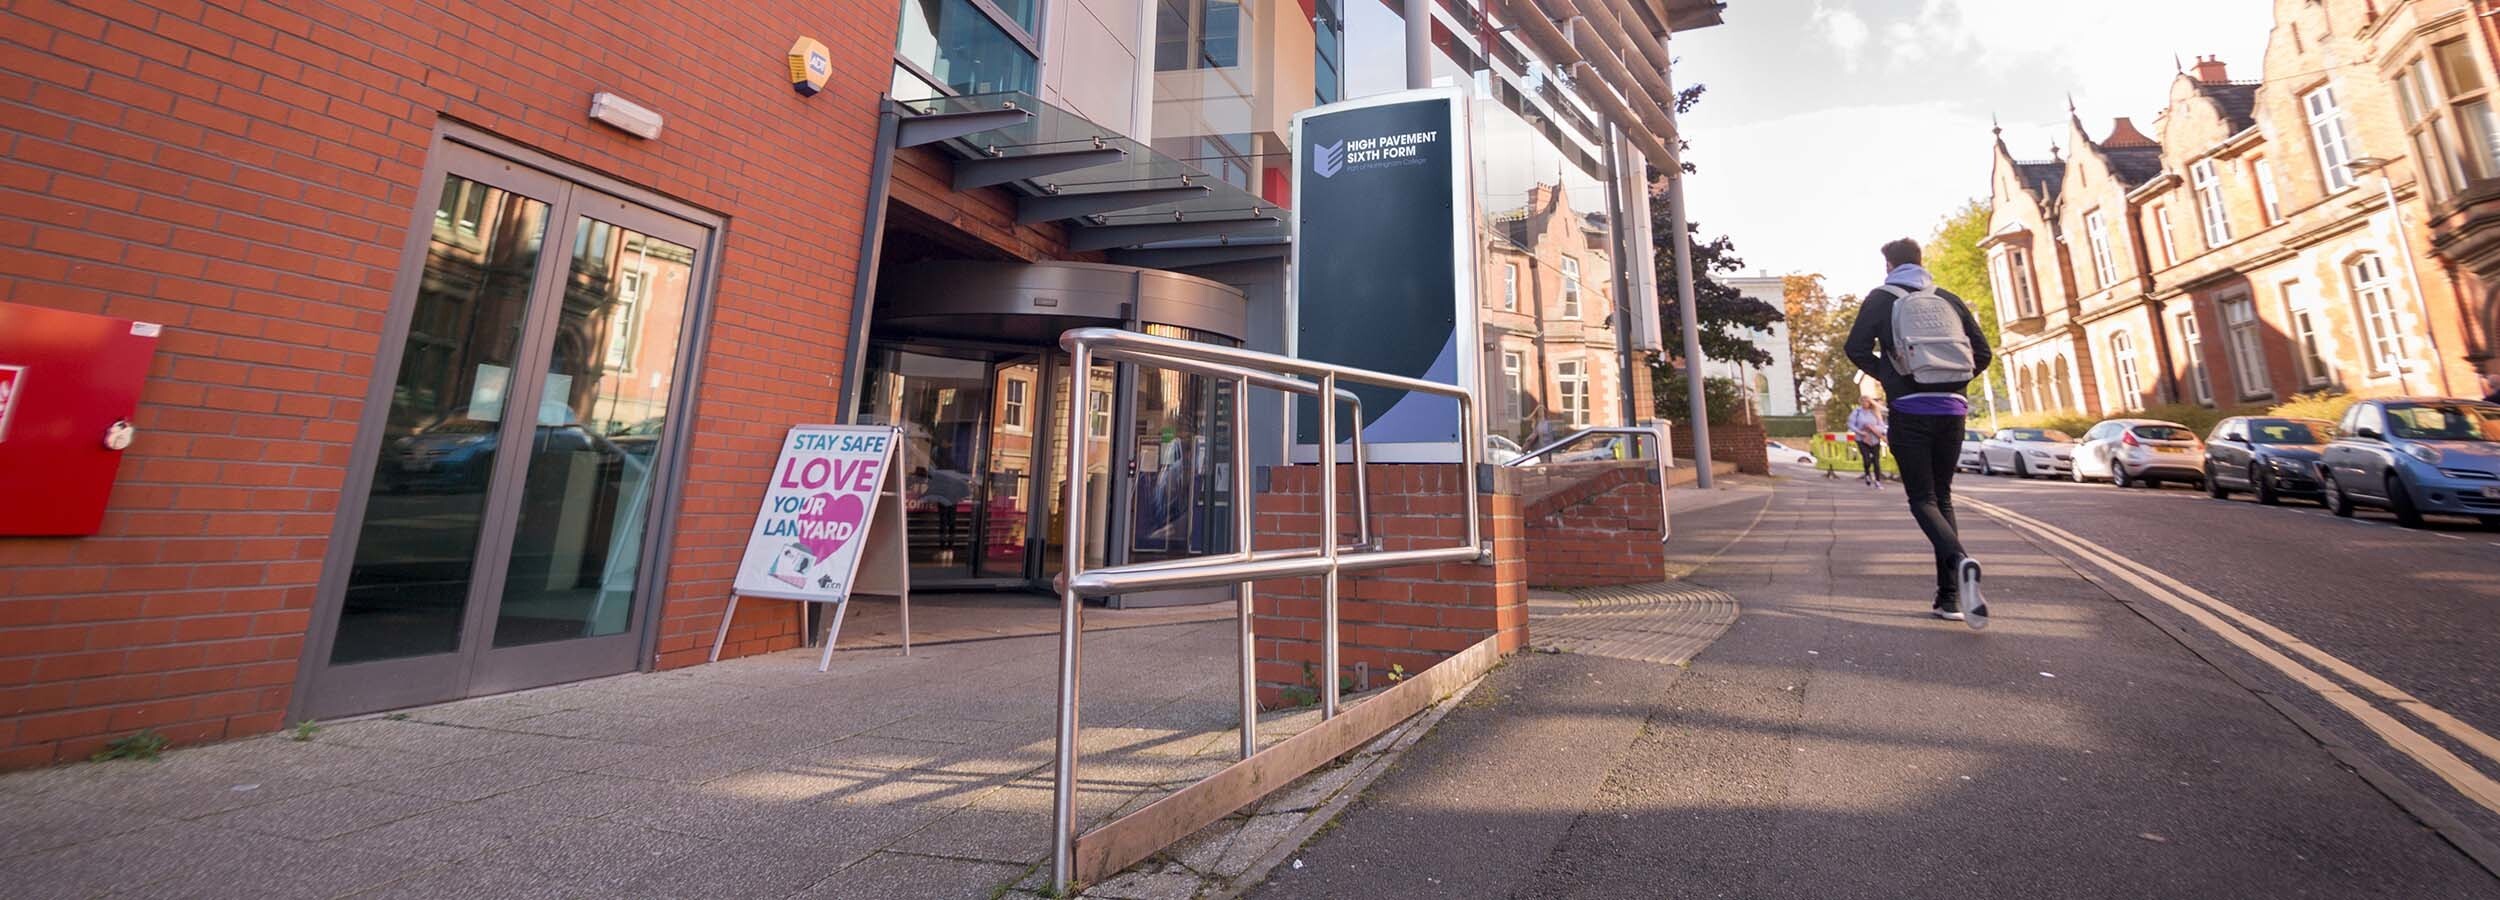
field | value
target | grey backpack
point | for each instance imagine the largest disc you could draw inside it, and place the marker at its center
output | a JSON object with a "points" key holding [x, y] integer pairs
{"points": [[1928, 343]]}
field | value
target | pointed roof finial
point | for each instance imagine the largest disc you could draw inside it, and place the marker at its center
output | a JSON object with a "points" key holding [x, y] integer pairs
{"points": [[2070, 104], [1995, 127], [2175, 64]]}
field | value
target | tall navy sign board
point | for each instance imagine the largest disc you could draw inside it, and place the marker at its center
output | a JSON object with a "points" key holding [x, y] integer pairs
{"points": [[1384, 263]]}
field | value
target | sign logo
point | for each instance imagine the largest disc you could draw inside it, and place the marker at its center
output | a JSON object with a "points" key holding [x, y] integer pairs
{"points": [[1327, 159]]}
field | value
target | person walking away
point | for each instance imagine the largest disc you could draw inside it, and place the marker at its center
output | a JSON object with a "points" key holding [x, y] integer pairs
{"points": [[1868, 426], [1922, 344]]}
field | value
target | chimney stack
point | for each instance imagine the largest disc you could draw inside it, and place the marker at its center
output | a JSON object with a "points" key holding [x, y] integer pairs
{"points": [[2210, 70], [2123, 133]]}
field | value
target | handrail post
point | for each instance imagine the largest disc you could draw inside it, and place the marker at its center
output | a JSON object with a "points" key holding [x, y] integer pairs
{"points": [[1328, 543], [1362, 480], [1071, 627], [1666, 520], [1244, 526]]}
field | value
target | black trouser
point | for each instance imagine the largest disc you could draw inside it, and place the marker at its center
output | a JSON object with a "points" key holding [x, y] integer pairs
{"points": [[1927, 448], [1872, 455]]}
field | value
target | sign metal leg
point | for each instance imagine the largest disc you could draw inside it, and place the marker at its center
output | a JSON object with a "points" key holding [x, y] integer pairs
{"points": [[833, 634], [725, 616]]}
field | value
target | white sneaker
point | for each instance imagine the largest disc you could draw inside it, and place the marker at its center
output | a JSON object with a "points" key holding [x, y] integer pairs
{"points": [[1974, 607], [1946, 614]]}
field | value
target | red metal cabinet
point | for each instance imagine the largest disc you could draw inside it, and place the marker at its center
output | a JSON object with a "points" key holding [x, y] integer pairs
{"points": [[69, 382]]}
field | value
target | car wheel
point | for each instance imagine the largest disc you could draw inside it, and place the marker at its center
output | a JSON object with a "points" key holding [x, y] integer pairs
{"points": [[2021, 469], [2213, 486], [2118, 476], [2491, 523], [2264, 485], [1987, 466], [2400, 502], [2332, 494]]}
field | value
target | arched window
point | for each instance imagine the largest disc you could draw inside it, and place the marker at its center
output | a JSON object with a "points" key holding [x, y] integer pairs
{"points": [[2065, 382]]}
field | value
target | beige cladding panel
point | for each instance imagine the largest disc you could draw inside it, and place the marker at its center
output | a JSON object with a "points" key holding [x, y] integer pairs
{"points": [[1090, 60]]}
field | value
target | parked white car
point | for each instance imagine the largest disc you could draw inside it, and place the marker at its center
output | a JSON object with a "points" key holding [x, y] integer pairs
{"points": [[2025, 452], [1969, 460], [1500, 450], [1780, 452], [2140, 453]]}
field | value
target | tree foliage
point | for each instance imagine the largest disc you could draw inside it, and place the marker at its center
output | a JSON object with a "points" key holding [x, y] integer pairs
{"points": [[1817, 322], [1954, 257], [1840, 381], [1728, 319]]}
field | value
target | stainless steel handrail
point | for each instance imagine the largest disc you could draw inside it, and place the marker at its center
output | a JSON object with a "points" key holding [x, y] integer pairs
{"points": [[1656, 431], [1362, 484], [1659, 430], [1246, 369]]}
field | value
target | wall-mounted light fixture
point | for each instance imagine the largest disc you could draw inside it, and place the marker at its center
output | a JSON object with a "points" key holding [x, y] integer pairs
{"points": [[624, 115]]}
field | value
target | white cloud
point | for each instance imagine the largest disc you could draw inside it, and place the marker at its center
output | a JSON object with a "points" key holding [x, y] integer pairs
{"points": [[1835, 125], [1846, 31]]}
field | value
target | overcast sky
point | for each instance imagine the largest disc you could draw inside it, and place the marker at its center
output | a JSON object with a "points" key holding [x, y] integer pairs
{"points": [[1831, 126]]}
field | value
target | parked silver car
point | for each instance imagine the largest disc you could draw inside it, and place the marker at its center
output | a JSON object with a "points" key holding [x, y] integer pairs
{"points": [[2025, 452], [2416, 456], [2266, 456], [1969, 460], [2140, 453]]}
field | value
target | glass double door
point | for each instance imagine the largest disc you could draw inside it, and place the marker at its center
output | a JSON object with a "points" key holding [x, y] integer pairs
{"points": [[986, 433], [505, 512]]}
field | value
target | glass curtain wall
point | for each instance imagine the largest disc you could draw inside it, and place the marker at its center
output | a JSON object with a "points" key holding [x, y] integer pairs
{"points": [[1542, 207]]}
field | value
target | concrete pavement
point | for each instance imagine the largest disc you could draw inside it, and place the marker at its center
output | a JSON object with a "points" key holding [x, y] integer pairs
{"points": [[1838, 743]]}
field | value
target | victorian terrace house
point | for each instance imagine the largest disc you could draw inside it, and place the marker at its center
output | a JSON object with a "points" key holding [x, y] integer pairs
{"points": [[2251, 253]]}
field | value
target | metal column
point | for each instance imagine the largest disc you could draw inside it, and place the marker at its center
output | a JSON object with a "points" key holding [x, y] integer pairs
{"points": [[1418, 15]]}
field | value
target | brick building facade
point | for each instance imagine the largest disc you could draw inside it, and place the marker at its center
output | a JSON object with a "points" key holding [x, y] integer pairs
{"points": [[2246, 251], [254, 176]]}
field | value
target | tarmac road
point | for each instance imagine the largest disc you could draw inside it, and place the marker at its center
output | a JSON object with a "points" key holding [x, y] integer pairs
{"points": [[1837, 743]]}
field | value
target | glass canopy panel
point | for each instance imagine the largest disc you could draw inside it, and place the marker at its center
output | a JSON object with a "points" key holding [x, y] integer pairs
{"points": [[1050, 129]]}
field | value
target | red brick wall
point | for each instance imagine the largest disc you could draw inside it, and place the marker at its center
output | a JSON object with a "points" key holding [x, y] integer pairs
{"points": [[1729, 442], [244, 171], [1602, 529], [1412, 616]]}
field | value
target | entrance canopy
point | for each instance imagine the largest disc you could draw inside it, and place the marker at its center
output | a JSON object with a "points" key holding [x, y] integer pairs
{"points": [[1113, 192]]}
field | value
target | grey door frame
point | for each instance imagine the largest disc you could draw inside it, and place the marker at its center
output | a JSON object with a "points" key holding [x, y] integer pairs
{"points": [[321, 689]]}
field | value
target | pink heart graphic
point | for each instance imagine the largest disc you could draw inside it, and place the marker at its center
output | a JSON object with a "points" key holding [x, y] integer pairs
{"points": [[835, 522]]}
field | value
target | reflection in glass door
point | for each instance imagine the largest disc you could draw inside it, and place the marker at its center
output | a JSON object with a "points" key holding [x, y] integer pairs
{"points": [[585, 498], [408, 590], [500, 540], [1096, 481]]}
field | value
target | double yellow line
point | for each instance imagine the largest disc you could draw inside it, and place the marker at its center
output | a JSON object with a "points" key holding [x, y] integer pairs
{"points": [[2236, 627]]}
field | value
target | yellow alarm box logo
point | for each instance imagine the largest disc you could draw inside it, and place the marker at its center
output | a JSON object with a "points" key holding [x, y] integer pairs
{"points": [[810, 66]]}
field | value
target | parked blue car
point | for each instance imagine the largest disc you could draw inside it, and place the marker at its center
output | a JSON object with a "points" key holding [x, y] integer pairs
{"points": [[2414, 456]]}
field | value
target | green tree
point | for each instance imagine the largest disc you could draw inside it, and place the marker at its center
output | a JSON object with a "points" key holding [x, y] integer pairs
{"points": [[1840, 378], [1814, 317], [1954, 257], [1728, 319]]}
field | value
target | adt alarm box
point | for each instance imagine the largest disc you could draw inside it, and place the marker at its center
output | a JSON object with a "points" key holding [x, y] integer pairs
{"points": [[69, 387]]}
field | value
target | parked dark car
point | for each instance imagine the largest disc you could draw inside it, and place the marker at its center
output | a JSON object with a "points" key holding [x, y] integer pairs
{"points": [[2414, 456], [2267, 456]]}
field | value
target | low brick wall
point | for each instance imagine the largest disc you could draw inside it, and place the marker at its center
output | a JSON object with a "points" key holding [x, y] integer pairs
{"points": [[1739, 443], [1412, 616], [1601, 528]]}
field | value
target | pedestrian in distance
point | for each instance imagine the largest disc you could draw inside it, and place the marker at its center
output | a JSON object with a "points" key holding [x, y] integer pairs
{"points": [[1866, 423], [2492, 383], [1922, 344]]}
